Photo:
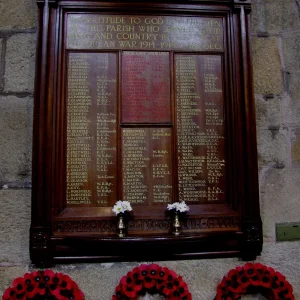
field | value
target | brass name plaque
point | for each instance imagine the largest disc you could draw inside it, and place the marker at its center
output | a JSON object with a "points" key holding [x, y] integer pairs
{"points": [[92, 31]]}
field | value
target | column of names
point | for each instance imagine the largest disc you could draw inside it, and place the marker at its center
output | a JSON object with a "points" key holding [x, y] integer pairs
{"points": [[200, 128], [106, 128], [79, 136]]}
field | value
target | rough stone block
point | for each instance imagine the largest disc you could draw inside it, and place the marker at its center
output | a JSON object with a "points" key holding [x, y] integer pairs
{"points": [[14, 226], [272, 147], [267, 112], [291, 50], [266, 66], [18, 14], [296, 147], [281, 15], [16, 134], [257, 17], [1, 79], [290, 110], [280, 192], [20, 63], [293, 83]]}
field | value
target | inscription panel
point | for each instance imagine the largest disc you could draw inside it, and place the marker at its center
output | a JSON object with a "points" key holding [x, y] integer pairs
{"points": [[200, 130], [91, 128], [147, 165], [146, 87], [95, 31]]}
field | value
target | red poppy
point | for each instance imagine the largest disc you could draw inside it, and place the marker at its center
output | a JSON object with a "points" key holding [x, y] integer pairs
{"points": [[168, 288], [126, 280], [233, 274], [57, 294], [56, 279], [19, 285], [154, 270], [250, 270], [286, 290], [66, 282], [171, 276], [128, 291], [37, 276], [31, 291], [144, 270], [260, 268], [266, 281], [149, 283], [135, 284], [182, 289], [138, 285], [136, 273], [9, 292], [19, 296], [29, 280], [48, 275], [236, 288]]}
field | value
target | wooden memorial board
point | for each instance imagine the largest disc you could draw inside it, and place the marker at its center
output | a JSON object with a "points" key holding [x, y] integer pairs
{"points": [[149, 102]]}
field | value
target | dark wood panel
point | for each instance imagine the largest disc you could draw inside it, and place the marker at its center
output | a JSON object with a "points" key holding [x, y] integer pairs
{"points": [[150, 102]]}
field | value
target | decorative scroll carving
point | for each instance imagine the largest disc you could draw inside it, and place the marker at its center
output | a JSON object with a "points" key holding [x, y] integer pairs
{"points": [[209, 223], [145, 224], [149, 225], [85, 226]]}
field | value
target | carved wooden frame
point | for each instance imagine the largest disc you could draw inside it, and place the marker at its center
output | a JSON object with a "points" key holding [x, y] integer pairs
{"points": [[235, 231]]}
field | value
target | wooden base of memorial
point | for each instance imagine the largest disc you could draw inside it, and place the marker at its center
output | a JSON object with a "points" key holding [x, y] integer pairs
{"points": [[149, 102]]}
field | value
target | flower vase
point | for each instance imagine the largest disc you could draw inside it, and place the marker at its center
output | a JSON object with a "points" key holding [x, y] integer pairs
{"points": [[176, 224], [121, 225]]}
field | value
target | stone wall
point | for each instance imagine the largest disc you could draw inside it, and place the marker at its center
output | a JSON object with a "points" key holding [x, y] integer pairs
{"points": [[276, 61]]}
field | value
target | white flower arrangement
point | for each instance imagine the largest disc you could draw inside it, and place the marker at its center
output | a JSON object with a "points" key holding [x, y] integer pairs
{"points": [[122, 207], [178, 207]]}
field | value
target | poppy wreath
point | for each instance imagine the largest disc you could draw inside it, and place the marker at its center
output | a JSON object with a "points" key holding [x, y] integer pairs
{"points": [[43, 285], [152, 279], [254, 279]]}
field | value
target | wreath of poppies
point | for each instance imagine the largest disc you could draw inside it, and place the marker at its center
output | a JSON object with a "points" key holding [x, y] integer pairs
{"points": [[152, 279], [43, 285], [253, 279]]}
